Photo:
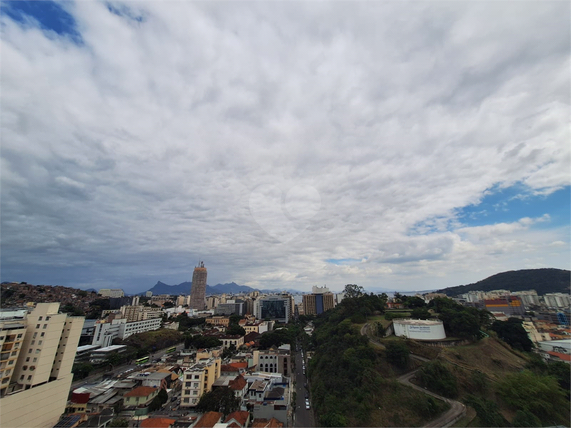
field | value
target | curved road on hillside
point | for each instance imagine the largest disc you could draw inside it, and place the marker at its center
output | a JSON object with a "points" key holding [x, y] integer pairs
{"points": [[456, 410]]}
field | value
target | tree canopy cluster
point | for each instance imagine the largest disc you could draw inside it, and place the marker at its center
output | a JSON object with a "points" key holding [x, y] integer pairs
{"points": [[220, 399], [346, 385], [460, 321], [513, 333]]}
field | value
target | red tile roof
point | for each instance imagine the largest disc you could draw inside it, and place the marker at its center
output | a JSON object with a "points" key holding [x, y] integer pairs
{"points": [[157, 423], [237, 384], [208, 420], [80, 397], [560, 355], [228, 368], [239, 365], [141, 391], [264, 423], [239, 416]]}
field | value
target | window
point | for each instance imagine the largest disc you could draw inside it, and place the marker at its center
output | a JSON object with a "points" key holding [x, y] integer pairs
{"points": [[19, 336], [196, 376], [30, 377], [40, 342], [40, 318], [195, 385], [10, 362], [48, 318], [29, 351], [42, 334], [27, 359], [35, 335], [22, 377], [37, 325], [37, 351], [5, 380], [35, 359], [45, 326], [194, 392], [25, 368], [33, 342]]}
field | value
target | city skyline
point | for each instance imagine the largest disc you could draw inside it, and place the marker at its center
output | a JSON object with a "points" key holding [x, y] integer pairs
{"points": [[286, 145]]}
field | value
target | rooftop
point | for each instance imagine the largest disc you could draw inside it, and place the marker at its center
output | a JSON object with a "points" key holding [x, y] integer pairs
{"points": [[141, 391]]}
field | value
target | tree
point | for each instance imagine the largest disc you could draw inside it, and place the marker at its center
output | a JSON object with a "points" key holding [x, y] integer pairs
{"points": [[513, 333], [220, 399], [119, 422], [435, 376], [487, 412], [524, 418], [199, 341], [81, 370], [421, 314], [549, 402], [235, 329], [353, 290], [398, 353], [161, 398]]}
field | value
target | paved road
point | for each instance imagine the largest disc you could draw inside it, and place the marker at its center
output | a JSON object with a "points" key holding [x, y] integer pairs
{"points": [[119, 369], [456, 410], [303, 417]]}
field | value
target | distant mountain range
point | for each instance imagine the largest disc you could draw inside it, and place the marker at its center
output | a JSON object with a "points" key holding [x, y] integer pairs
{"points": [[541, 280], [228, 288]]}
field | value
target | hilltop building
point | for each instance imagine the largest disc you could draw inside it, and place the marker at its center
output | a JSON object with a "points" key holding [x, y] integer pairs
{"points": [[38, 350], [198, 289], [111, 292]]}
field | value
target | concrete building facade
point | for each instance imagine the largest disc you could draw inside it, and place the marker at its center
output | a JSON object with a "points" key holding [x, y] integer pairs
{"points": [[198, 288], [42, 373]]}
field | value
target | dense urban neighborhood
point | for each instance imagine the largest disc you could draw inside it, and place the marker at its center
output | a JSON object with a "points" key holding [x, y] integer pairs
{"points": [[103, 359]]}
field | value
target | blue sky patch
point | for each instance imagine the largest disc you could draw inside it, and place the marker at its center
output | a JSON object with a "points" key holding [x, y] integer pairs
{"points": [[513, 203], [343, 261], [50, 15]]}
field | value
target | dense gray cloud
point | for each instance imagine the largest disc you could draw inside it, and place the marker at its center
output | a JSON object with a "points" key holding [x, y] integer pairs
{"points": [[287, 144]]}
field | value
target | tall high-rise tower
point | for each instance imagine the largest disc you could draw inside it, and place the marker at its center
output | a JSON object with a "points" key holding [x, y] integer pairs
{"points": [[198, 289]]}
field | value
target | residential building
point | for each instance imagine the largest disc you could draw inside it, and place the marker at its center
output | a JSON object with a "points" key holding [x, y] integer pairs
{"points": [[231, 339], [140, 397], [199, 379], [556, 300], [238, 419], [273, 360], [509, 305], [105, 331], [208, 420], [198, 288], [42, 372], [157, 423], [218, 320], [140, 313], [111, 292], [556, 350]]}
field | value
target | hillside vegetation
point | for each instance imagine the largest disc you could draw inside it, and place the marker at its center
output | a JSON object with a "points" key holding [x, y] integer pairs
{"points": [[354, 381], [542, 280]]}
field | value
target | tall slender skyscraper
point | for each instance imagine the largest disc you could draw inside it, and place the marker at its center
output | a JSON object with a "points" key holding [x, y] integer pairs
{"points": [[198, 289]]}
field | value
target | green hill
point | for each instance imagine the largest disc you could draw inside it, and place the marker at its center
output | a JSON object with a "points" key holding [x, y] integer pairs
{"points": [[541, 280]]}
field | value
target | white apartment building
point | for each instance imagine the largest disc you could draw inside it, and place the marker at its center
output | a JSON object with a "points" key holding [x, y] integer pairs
{"points": [[105, 331], [528, 297], [39, 383], [556, 300], [140, 313]]}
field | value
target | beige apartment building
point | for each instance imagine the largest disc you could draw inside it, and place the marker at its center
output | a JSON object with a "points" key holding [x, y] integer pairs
{"points": [[199, 378], [218, 320], [317, 303], [140, 313], [39, 383]]}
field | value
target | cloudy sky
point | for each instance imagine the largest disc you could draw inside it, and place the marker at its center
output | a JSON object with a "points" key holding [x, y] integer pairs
{"points": [[397, 145]]}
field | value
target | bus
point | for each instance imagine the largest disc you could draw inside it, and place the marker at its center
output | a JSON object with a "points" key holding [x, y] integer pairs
{"points": [[142, 361], [170, 350]]}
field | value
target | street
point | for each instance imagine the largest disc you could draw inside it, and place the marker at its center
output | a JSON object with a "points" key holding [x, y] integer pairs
{"points": [[303, 417]]}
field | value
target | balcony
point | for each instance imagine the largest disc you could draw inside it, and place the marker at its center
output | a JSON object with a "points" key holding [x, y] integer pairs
{"points": [[4, 356]]}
